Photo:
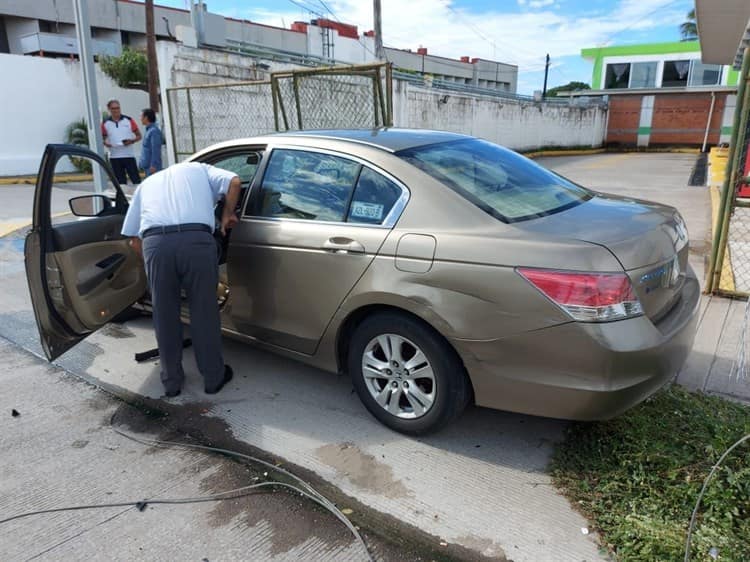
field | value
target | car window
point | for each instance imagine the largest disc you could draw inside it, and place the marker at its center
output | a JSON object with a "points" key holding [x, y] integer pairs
{"points": [[497, 180], [73, 191], [373, 199], [244, 165], [307, 185]]}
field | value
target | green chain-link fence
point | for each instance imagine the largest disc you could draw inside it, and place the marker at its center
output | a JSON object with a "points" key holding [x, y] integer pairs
{"points": [[338, 97]]}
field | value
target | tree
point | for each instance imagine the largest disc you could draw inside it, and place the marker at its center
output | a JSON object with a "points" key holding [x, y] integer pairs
{"points": [[569, 87], [689, 29], [78, 133], [129, 70]]}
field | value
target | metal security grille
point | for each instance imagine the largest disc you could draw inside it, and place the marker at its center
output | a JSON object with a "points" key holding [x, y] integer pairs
{"points": [[321, 98]]}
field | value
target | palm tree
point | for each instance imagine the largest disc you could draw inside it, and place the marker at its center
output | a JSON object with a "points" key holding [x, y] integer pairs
{"points": [[78, 133], [689, 29]]}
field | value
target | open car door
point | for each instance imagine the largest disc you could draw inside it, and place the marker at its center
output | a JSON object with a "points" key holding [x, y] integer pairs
{"points": [[81, 271]]}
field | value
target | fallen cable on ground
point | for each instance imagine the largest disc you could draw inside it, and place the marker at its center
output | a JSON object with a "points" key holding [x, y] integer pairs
{"points": [[703, 491], [304, 489]]}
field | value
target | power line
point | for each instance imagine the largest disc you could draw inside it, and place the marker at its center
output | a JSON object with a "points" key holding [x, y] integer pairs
{"points": [[643, 17]]}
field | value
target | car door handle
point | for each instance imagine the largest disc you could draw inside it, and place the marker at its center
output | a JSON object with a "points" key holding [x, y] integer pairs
{"points": [[341, 245]]}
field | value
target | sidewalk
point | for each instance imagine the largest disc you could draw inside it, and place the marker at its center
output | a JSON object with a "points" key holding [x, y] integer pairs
{"points": [[60, 450]]}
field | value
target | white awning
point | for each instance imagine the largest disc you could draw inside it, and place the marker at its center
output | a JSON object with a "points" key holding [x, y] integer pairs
{"points": [[723, 29]]}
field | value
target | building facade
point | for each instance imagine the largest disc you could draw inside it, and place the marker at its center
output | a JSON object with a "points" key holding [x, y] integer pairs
{"points": [[662, 94], [47, 28]]}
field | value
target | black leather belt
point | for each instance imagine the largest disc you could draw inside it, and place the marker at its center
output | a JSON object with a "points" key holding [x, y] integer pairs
{"points": [[189, 227]]}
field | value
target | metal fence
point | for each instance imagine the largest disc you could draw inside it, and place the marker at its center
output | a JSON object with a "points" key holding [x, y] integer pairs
{"points": [[203, 115], [355, 97], [321, 98], [729, 267]]}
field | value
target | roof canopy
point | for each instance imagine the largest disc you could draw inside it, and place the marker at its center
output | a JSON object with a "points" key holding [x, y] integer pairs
{"points": [[724, 30]]}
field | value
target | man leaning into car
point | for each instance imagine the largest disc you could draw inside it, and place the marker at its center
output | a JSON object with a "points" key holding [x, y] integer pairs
{"points": [[171, 220]]}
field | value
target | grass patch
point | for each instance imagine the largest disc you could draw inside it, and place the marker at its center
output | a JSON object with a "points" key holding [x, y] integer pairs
{"points": [[637, 477]]}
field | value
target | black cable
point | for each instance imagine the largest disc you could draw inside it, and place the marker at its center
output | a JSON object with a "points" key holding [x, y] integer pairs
{"points": [[304, 489], [703, 491]]}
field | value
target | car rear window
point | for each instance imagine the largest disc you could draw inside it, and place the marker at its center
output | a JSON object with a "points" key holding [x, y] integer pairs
{"points": [[503, 183]]}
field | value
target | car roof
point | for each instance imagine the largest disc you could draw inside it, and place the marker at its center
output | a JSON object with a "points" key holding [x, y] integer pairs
{"points": [[390, 139]]}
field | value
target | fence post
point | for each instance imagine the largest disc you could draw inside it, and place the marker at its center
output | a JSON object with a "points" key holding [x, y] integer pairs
{"points": [[275, 104], [380, 98], [172, 123], [190, 115], [721, 235], [295, 81], [389, 93]]}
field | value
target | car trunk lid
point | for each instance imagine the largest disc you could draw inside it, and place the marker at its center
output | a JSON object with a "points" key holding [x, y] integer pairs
{"points": [[648, 239]]}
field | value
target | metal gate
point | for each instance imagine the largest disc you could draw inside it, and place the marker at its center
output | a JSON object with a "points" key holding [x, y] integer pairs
{"points": [[321, 98]]}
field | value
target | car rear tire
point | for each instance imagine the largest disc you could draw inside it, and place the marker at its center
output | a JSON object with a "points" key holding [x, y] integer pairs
{"points": [[406, 374]]}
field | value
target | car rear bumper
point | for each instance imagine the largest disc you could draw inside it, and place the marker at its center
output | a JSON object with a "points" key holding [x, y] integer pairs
{"points": [[583, 371]]}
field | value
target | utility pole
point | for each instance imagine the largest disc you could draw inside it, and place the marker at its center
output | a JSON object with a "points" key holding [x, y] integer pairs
{"points": [[546, 73], [86, 57], [153, 77], [379, 53]]}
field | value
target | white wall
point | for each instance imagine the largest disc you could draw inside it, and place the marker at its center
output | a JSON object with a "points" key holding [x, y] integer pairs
{"points": [[519, 125], [39, 98]]}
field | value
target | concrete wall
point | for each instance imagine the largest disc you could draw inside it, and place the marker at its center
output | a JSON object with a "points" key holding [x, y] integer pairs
{"points": [[515, 124], [40, 97]]}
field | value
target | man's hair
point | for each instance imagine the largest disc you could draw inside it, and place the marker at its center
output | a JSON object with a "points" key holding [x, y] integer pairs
{"points": [[149, 114], [113, 100]]}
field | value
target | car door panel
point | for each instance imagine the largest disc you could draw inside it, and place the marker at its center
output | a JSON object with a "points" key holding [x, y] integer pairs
{"points": [[289, 277], [294, 256], [81, 272]]}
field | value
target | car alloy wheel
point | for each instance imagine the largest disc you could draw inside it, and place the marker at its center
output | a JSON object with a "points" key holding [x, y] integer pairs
{"points": [[399, 376], [406, 374]]}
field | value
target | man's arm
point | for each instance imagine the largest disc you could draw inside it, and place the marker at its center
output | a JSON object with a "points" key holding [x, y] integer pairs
{"points": [[229, 216], [137, 245], [104, 136], [136, 131], [156, 141]]}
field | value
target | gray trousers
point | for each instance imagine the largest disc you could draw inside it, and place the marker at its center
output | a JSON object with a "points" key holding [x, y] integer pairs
{"points": [[189, 261]]}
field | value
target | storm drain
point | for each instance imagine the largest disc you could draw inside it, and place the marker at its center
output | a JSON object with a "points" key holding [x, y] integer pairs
{"points": [[698, 174]]}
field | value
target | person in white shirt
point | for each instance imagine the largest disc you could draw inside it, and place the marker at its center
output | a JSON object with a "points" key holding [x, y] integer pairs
{"points": [[171, 221], [120, 132]]}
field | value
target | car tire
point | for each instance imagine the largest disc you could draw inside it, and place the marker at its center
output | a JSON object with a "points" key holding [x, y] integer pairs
{"points": [[449, 386]]}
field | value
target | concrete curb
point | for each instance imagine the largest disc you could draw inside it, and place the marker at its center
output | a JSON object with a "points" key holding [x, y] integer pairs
{"points": [[31, 180], [587, 151], [572, 152]]}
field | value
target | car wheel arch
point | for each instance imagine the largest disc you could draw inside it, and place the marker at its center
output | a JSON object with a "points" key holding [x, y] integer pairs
{"points": [[349, 325]]}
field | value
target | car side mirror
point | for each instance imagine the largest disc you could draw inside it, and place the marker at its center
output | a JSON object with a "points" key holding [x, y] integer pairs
{"points": [[253, 159], [91, 205]]}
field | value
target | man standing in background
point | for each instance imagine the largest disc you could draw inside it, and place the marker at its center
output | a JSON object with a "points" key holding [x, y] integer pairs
{"points": [[120, 132], [150, 161]]}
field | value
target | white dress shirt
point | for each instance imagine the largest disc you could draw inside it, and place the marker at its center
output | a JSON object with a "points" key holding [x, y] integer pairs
{"points": [[181, 194]]}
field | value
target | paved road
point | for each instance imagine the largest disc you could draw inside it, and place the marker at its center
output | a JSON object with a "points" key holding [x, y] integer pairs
{"points": [[480, 484], [656, 177]]}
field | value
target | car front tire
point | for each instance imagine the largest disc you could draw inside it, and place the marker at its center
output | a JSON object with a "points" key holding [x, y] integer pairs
{"points": [[406, 374]]}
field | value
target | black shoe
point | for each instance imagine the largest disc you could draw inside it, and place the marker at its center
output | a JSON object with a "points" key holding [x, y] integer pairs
{"points": [[172, 393], [228, 374]]}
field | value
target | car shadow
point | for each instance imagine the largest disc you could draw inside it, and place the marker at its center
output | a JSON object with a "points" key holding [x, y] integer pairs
{"points": [[271, 393]]}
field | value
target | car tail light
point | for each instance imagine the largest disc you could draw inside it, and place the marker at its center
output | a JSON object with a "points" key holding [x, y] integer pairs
{"points": [[587, 297]]}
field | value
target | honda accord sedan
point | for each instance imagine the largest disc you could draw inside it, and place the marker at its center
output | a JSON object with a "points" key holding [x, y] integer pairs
{"points": [[435, 269]]}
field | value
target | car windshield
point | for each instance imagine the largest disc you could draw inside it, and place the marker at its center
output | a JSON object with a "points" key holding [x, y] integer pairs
{"points": [[497, 180]]}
